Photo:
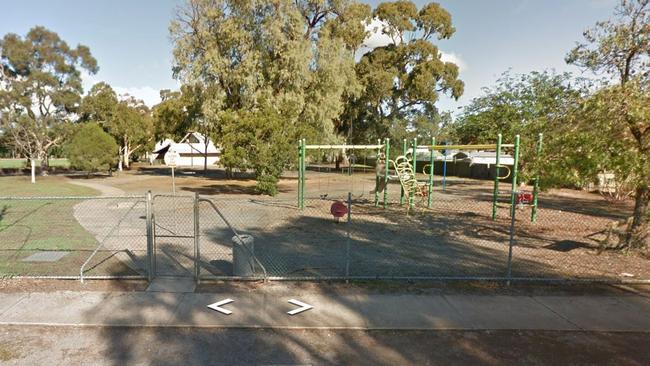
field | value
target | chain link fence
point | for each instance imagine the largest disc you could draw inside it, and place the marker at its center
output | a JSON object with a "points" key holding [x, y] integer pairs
{"points": [[453, 238], [73, 237]]}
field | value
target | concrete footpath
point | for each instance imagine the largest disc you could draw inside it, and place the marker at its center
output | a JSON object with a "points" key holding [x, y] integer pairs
{"points": [[259, 309]]}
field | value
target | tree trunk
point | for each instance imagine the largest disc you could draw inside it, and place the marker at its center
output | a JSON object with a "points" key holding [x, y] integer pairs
{"points": [[44, 165], [127, 156], [205, 157], [638, 235]]}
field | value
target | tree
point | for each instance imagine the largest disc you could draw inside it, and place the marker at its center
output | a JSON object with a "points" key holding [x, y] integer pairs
{"points": [[40, 89], [129, 120], [524, 105], [620, 48], [180, 112], [132, 127], [402, 80], [260, 141], [91, 149], [295, 58], [99, 105]]}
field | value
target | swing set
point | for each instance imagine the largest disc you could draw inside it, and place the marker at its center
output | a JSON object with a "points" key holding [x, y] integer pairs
{"points": [[405, 168], [302, 166]]}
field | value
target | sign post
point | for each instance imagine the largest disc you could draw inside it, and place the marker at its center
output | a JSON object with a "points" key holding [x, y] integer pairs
{"points": [[171, 159]]}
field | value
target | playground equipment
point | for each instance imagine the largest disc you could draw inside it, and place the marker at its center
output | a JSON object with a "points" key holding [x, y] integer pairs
{"points": [[405, 169], [302, 149], [498, 148], [338, 210], [407, 178]]}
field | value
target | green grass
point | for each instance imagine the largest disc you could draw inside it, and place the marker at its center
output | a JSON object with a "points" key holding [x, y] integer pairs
{"points": [[22, 163], [21, 186], [29, 226]]}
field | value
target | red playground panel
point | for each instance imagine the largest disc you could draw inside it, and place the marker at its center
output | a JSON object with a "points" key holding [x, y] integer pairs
{"points": [[524, 198]]}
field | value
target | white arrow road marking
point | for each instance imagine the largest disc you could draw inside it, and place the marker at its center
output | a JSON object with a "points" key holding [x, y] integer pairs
{"points": [[303, 307], [216, 306]]}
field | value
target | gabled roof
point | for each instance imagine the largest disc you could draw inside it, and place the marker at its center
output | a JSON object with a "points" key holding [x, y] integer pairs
{"points": [[187, 147]]}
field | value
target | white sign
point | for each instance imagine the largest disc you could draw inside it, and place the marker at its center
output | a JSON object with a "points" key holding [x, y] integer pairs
{"points": [[303, 307], [171, 158], [217, 306]]}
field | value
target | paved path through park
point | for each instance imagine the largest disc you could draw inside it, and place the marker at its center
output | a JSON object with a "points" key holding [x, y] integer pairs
{"points": [[118, 224]]}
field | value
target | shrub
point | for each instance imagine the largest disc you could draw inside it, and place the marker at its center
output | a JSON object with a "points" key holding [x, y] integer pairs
{"points": [[91, 149], [267, 184]]}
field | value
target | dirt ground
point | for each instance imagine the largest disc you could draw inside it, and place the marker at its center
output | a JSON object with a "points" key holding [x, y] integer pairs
{"points": [[456, 236], [30, 345]]}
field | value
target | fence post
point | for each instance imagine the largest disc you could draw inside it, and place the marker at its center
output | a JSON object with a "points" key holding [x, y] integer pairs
{"points": [[533, 213], [149, 224], [511, 243], [415, 171], [386, 171], [377, 176], [197, 241], [401, 195], [515, 170], [347, 242], [495, 194], [431, 163]]}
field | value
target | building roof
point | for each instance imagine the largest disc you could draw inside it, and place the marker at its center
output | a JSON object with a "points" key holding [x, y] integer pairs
{"points": [[191, 143]]}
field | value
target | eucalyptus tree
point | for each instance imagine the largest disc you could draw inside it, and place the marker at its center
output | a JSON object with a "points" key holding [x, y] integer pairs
{"points": [[404, 78], [295, 58], [40, 89], [126, 118], [617, 130], [525, 105], [133, 128]]}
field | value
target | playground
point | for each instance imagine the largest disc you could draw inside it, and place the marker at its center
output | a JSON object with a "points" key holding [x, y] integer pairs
{"points": [[419, 224]]}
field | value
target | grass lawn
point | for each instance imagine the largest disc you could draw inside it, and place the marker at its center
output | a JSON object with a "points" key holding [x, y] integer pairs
{"points": [[31, 226], [22, 163], [21, 186]]}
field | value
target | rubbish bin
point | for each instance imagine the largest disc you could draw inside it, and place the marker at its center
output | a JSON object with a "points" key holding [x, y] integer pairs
{"points": [[243, 252]]}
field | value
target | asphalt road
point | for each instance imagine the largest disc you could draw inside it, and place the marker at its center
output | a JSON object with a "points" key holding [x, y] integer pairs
{"points": [[34, 345]]}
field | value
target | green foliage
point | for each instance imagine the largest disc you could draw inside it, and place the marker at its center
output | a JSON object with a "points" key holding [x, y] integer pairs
{"points": [[595, 138], [267, 184], [524, 105], [403, 80], [260, 141], [291, 59], [91, 149], [621, 47], [178, 112], [99, 105], [40, 86], [129, 121]]}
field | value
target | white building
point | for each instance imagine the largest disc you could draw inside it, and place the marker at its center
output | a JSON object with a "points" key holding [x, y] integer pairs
{"points": [[193, 150], [484, 158]]}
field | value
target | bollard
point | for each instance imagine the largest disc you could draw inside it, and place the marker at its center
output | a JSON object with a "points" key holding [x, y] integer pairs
{"points": [[243, 254]]}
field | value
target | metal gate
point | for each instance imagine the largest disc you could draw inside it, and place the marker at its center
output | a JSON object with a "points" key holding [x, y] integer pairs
{"points": [[174, 232]]}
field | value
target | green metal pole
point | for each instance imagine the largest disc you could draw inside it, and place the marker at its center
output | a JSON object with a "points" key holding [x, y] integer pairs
{"points": [[377, 176], [515, 170], [415, 170], [401, 195], [304, 178], [299, 173], [431, 162], [533, 214], [495, 194], [386, 170]]}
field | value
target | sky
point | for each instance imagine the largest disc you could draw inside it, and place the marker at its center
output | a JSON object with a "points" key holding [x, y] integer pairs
{"points": [[130, 38]]}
